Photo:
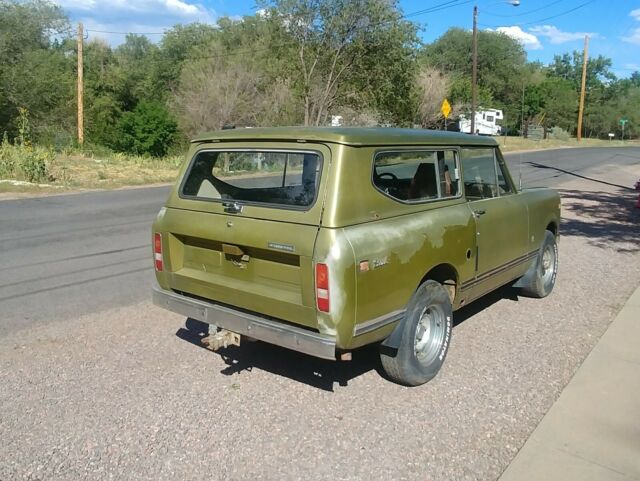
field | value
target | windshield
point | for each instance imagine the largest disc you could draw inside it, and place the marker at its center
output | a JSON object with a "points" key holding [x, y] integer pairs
{"points": [[288, 178]]}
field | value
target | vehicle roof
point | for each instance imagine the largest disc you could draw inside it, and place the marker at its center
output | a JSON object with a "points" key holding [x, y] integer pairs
{"points": [[354, 136]]}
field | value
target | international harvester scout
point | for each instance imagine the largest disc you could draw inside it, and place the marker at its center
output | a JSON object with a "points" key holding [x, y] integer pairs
{"points": [[323, 240]]}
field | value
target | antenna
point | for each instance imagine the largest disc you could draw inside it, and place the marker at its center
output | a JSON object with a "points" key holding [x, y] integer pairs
{"points": [[520, 173]]}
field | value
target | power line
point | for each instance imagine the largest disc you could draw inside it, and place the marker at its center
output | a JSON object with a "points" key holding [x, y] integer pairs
{"points": [[544, 7], [540, 20], [126, 33], [252, 51], [437, 8], [434, 8], [561, 14]]}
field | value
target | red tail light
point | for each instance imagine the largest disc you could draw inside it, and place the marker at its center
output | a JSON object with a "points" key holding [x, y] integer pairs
{"points": [[322, 287], [157, 251]]}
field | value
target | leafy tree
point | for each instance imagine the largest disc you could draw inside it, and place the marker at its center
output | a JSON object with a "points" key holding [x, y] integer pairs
{"points": [[433, 86], [501, 59], [148, 130], [501, 68], [34, 70], [345, 52], [103, 103], [569, 67], [176, 47], [560, 104], [135, 64]]}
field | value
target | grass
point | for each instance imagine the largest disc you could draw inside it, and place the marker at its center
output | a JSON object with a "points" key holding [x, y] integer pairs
{"points": [[512, 144], [74, 170]]}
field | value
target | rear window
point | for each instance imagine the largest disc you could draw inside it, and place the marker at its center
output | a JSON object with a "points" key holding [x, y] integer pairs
{"points": [[265, 177]]}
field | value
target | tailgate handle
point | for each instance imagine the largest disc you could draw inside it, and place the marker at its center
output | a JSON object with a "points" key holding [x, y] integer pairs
{"points": [[232, 250], [232, 207]]}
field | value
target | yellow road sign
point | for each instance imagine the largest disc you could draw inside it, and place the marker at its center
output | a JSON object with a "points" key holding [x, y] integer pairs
{"points": [[445, 108]]}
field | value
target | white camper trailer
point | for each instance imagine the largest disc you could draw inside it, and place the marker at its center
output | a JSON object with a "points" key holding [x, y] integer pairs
{"points": [[486, 122]]}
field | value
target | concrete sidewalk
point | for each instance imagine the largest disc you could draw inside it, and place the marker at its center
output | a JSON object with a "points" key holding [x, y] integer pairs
{"points": [[592, 432]]}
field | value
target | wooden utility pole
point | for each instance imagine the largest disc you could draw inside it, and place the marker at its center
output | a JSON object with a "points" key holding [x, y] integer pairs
{"points": [[584, 84], [474, 71], [80, 85]]}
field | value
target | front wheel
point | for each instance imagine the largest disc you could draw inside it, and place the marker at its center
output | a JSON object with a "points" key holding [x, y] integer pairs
{"points": [[426, 334]]}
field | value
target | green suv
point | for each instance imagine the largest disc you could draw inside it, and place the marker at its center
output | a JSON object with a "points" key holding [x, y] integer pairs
{"points": [[323, 240]]}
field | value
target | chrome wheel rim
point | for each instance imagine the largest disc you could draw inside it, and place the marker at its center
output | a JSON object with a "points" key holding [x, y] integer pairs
{"points": [[548, 264], [430, 333]]}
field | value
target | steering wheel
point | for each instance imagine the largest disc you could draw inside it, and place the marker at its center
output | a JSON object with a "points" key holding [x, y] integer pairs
{"points": [[391, 175]]}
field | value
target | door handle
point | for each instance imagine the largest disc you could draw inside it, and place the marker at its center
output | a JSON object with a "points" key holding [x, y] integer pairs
{"points": [[232, 207], [478, 213]]}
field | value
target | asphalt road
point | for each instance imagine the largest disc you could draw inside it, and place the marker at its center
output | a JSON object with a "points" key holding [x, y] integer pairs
{"points": [[66, 255]]}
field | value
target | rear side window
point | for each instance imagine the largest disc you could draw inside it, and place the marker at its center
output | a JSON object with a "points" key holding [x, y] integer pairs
{"points": [[267, 177], [417, 175]]}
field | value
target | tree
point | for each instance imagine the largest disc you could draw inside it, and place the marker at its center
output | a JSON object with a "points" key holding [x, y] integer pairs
{"points": [[501, 59], [214, 93], [433, 87], [176, 47], [560, 103], [569, 67], [34, 70], [135, 65], [337, 46]]}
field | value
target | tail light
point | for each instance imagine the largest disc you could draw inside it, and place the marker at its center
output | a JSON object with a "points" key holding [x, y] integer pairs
{"points": [[157, 251], [322, 287]]}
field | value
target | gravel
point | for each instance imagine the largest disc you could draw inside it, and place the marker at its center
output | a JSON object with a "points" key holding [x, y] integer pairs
{"points": [[128, 394]]}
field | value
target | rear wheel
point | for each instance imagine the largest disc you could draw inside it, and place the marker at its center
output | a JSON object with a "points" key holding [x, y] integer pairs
{"points": [[539, 283], [426, 334]]}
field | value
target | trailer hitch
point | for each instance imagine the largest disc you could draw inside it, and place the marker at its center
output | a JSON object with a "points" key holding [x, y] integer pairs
{"points": [[219, 338]]}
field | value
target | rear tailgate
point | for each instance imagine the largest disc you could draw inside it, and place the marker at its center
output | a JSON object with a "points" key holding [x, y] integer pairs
{"points": [[258, 258]]}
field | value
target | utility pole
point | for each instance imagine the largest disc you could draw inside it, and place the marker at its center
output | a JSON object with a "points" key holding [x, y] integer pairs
{"points": [[80, 86], [522, 112], [474, 72], [584, 83]]}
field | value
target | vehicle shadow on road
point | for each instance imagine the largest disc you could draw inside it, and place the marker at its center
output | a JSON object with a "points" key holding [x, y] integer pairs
{"points": [[318, 373], [507, 292], [606, 219]]}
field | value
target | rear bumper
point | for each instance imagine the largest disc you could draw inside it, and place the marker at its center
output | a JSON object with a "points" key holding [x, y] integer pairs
{"points": [[263, 329]]}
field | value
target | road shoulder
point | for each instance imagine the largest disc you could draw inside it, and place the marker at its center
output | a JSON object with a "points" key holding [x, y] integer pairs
{"points": [[592, 432]]}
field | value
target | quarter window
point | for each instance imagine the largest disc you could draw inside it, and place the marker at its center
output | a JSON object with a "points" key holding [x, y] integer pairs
{"points": [[416, 176], [503, 182]]}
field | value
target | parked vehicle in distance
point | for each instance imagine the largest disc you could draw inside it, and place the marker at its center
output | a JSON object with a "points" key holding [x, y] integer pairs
{"points": [[323, 240], [486, 122]]}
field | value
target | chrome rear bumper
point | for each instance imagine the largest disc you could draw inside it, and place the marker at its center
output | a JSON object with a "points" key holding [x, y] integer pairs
{"points": [[267, 330]]}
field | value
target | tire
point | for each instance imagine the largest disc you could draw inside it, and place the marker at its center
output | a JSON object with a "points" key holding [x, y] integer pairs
{"points": [[425, 337], [539, 283]]}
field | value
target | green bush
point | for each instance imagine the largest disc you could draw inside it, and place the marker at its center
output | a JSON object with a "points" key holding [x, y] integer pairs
{"points": [[7, 159], [559, 133], [34, 164], [148, 130]]}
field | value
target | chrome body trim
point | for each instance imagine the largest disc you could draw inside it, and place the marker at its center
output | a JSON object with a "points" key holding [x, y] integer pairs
{"points": [[378, 322]]}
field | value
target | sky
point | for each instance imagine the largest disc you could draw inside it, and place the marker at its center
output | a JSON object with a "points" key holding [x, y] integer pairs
{"points": [[545, 27]]}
